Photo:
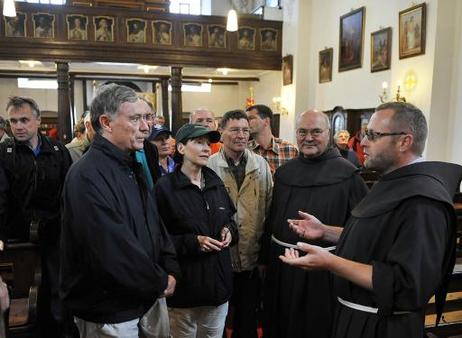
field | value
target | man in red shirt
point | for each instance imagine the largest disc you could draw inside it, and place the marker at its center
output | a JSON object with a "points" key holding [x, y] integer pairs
{"points": [[206, 118]]}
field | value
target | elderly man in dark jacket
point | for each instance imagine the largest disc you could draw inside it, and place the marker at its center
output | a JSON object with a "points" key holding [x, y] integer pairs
{"points": [[117, 259]]}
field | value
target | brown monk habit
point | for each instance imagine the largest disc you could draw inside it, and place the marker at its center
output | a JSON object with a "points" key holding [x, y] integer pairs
{"points": [[405, 229], [300, 303]]}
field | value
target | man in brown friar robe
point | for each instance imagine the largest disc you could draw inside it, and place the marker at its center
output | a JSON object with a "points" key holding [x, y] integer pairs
{"points": [[299, 303], [398, 248]]}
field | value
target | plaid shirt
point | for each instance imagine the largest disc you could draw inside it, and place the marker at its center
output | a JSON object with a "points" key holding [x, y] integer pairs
{"points": [[277, 154]]}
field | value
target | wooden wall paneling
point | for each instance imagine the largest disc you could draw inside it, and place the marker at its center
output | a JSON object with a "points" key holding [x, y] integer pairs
{"points": [[60, 48]]}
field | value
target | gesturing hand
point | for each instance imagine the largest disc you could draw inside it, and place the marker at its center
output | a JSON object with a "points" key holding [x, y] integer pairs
{"points": [[308, 226], [208, 244], [316, 257]]}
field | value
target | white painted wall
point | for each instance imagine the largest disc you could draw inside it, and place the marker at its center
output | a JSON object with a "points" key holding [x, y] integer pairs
{"points": [[47, 99], [221, 99], [454, 151], [268, 87], [359, 88], [312, 25]]}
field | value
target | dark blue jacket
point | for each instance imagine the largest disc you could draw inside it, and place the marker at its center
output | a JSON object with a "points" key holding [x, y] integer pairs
{"points": [[187, 212], [115, 251], [30, 189]]}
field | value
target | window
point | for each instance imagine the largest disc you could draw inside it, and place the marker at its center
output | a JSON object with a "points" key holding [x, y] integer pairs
{"points": [[37, 83], [195, 88], [52, 2], [185, 7]]}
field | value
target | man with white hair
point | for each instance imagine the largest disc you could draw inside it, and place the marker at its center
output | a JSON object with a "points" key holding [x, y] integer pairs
{"points": [[206, 118], [301, 304], [341, 138]]}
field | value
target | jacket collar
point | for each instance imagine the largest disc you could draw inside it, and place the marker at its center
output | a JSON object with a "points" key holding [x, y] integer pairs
{"points": [[251, 165], [43, 142], [183, 181], [109, 149]]}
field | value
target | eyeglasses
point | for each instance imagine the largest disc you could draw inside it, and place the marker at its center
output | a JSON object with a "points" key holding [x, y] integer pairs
{"points": [[236, 131], [375, 135], [315, 132]]}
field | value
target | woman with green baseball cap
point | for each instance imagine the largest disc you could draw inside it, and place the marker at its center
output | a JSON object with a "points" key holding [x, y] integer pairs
{"points": [[197, 212]]}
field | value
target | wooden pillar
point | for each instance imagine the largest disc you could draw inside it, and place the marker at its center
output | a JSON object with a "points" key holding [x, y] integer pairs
{"points": [[164, 93], [177, 106], [72, 100], [64, 107], [84, 95]]}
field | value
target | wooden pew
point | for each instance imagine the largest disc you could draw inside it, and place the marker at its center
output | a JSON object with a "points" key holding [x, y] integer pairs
{"points": [[451, 322], [20, 269]]}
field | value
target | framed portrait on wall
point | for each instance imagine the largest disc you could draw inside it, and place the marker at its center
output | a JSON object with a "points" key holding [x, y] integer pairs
{"points": [[412, 31], [216, 36], [287, 70], [15, 27], [246, 38], [77, 27], [268, 39], [351, 40], [192, 35], [381, 50], [326, 57], [136, 30], [104, 28], [162, 31], [44, 25]]}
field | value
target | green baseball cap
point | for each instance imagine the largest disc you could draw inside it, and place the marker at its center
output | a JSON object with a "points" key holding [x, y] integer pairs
{"points": [[189, 131]]}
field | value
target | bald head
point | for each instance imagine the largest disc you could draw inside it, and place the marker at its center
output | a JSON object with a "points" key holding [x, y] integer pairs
{"points": [[312, 133], [314, 114], [204, 117]]}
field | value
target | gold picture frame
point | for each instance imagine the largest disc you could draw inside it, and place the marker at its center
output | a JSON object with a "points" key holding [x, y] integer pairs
{"points": [[412, 31], [351, 40]]}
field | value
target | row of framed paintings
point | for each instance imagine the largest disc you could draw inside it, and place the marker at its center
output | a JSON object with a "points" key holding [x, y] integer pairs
{"points": [[103, 27], [412, 31]]}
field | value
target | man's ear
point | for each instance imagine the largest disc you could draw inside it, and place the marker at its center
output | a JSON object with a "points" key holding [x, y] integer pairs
{"points": [[105, 123], [406, 142]]}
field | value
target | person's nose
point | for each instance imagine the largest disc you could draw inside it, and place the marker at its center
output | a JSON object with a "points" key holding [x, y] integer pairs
{"points": [[308, 136], [144, 126], [364, 141]]}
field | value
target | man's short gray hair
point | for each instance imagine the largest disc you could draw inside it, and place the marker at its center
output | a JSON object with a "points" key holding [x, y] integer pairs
{"points": [[108, 100], [410, 119], [195, 111]]}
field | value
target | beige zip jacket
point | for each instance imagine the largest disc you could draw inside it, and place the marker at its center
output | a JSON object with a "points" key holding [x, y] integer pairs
{"points": [[252, 202]]}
